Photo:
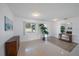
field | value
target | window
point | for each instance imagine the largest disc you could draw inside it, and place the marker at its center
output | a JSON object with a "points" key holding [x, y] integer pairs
{"points": [[29, 27]]}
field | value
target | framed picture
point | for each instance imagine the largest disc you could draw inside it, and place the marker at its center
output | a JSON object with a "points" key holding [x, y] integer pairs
{"points": [[8, 24]]}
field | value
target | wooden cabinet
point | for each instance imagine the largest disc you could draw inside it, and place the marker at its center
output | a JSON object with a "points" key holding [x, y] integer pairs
{"points": [[12, 46]]}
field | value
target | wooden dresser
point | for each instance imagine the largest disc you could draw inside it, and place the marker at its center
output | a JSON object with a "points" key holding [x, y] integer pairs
{"points": [[12, 46]]}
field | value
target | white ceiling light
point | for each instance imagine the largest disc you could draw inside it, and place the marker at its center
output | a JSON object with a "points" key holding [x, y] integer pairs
{"points": [[55, 19], [69, 23], [35, 14]]}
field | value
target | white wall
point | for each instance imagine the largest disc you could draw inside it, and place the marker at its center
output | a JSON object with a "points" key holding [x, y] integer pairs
{"points": [[32, 36], [4, 35], [56, 29]]}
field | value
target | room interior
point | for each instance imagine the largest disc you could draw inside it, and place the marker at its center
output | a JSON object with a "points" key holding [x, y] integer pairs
{"points": [[39, 29]]}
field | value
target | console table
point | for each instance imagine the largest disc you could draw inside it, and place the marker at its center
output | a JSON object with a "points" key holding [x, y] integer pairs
{"points": [[66, 36]]}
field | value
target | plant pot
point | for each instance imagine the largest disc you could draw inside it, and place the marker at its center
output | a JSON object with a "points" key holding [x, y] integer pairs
{"points": [[43, 38]]}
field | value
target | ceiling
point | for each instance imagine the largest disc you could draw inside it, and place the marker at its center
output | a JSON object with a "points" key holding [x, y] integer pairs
{"points": [[48, 11]]}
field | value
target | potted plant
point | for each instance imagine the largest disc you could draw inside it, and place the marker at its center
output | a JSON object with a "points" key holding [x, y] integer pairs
{"points": [[62, 29], [44, 31]]}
